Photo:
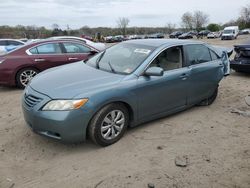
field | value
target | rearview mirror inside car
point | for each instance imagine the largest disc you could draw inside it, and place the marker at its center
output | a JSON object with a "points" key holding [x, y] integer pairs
{"points": [[154, 71]]}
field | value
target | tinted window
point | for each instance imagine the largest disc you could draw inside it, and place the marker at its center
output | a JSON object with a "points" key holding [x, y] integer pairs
{"points": [[51, 48], [169, 59], [214, 55], [15, 43], [76, 48], [3, 43], [198, 53]]}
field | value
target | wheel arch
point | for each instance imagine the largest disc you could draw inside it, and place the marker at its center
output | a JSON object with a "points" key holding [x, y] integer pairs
{"points": [[22, 68]]}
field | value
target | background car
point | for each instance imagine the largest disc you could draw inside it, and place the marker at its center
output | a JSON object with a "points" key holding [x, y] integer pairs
{"points": [[188, 35], [244, 31], [156, 36], [97, 45], [129, 83], [7, 45], [175, 34], [213, 35], [18, 67], [203, 33], [241, 61]]}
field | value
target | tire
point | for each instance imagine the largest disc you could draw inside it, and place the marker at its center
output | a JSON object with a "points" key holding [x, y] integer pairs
{"points": [[24, 76], [103, 129], [210, 99]]}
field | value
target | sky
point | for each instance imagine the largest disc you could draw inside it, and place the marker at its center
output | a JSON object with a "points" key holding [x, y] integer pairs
{"points": [[95, 13]]}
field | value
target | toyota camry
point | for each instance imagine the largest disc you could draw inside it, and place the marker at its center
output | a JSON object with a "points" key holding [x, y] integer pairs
{"points": [[127, 84]]}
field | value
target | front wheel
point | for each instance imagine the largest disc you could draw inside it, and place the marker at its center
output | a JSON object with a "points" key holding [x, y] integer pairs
{"points": [[24, 76], [109, 124]]}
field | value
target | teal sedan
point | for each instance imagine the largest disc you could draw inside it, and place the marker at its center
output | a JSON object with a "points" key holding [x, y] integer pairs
{"points": [[127, 84]]}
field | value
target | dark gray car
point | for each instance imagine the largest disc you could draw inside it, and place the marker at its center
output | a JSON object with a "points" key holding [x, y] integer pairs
{"points": [[126, 85]]}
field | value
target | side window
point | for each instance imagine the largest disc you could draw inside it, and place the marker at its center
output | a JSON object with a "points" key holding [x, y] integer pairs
{"points": [[169, 59], [33, 51], [214, 56], [3, 43], [14, 43], [51, 48], [76, 48], [197, 53]]}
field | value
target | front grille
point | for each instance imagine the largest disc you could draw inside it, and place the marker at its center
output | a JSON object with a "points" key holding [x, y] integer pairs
{"points": [[31, 100]]}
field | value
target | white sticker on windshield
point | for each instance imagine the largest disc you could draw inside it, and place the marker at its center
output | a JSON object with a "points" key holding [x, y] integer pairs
{"points": [[144, 51]]}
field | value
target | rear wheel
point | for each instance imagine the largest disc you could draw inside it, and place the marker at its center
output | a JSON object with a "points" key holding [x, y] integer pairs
{"points": [[24, 76], [109, 124], [210, 99]]}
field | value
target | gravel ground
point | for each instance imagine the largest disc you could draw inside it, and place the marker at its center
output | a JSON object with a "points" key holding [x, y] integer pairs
{"points": [[200, 147]]}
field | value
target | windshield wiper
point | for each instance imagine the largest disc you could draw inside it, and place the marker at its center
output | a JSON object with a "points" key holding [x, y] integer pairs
{"points": [[111, 67], [99, 59]]}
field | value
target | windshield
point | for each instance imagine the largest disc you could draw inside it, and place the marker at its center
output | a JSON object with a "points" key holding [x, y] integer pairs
{"points": [[228, 31], [123, 58]]}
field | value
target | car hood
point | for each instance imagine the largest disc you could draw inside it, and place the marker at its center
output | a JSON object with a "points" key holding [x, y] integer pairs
{"points": [[68, 81]]}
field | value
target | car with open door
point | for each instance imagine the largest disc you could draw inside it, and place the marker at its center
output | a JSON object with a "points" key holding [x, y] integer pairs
{"points": [[127, 84], [18, 67]]}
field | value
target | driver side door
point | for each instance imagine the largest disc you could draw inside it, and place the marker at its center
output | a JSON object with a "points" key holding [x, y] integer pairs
{"points": [[159, 95]]}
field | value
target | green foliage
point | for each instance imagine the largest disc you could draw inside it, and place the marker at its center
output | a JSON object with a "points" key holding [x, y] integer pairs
{"points": [[213, 27]]}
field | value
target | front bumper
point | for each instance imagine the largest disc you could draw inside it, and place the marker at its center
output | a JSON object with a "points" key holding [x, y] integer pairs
{"points": [[227, 37], [66, 126]]}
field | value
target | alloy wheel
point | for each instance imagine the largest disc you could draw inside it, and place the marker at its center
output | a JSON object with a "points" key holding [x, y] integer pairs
{"points": [[112, 124]]}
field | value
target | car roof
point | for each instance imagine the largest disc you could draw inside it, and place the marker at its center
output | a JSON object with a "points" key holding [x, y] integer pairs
{"points": [[13, 40], [160, 42], [57, 40]]}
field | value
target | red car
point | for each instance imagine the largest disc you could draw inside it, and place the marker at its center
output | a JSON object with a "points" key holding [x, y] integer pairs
{"points": [[18, 67]]}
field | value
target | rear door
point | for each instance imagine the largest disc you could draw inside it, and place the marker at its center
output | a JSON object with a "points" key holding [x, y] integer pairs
{"points": [[206, 72], [76, 51], [47, 55]]}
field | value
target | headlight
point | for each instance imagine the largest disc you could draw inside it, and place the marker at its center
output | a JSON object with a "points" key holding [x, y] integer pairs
{"points": [[2, 60], [63, 105]]}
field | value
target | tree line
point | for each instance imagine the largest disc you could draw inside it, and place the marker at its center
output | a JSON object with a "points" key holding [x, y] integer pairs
{"points": [[196, 20]]}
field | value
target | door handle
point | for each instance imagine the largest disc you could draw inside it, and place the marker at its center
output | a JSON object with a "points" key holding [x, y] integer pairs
{"points": [[72, 58], [39, 60], [183, 76]]}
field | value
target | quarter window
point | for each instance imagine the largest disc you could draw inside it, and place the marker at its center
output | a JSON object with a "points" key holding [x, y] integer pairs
{"points": [[214, 56], [76, 48], [169, 59], [198, 53]]}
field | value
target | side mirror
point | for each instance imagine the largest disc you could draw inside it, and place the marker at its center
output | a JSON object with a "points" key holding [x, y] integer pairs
{"points": [[154, 71]]}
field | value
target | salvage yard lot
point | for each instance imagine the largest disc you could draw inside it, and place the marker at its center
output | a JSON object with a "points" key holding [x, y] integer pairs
{"points": [[213, 143]]}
